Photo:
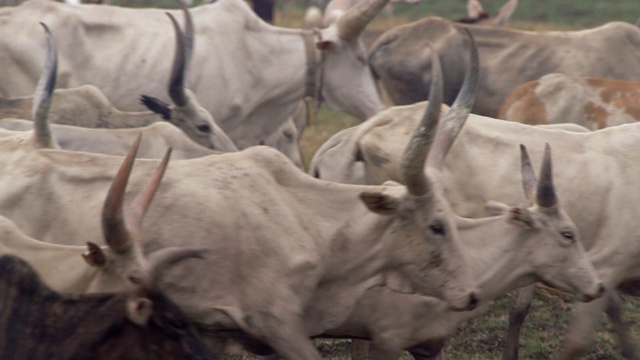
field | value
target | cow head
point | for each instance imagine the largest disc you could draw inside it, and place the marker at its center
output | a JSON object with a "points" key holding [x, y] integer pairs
{"points": [[188, 114], [347, 83], [423, 214], [124, 257], [565, 266]]}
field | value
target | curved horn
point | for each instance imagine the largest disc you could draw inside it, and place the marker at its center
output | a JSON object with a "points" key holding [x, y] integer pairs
{"points": [[44, 92], [504, 14], [421, 141], [114, 228], [474, 9], [188, 32], [141, 203], [180, 60], [457, 115], [356, 19], [546, 195], [529, 181], [163, 259]]}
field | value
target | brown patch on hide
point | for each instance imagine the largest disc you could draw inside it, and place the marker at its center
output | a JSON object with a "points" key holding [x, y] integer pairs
{"points": [[624, 95], [596, 114], [524, 106]]}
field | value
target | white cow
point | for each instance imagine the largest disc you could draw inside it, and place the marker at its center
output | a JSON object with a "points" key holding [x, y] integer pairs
{"points": [[73, 269], [536, 244], [158, 135], [598, 175], [248, 74], [86, 105], [289, 255]]}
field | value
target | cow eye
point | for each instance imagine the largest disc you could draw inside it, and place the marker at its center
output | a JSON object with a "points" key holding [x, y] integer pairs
{"points": [[568, 235], [437, 228], [204, 128]]}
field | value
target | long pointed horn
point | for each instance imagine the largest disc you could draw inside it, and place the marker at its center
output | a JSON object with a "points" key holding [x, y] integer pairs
{"points": [[455, 119], [188, 33], [114, 227], [546, 194], [421, 141], [354, 21], [529, 181], [141, 203], [504, 14], [42, 135], [474, 9], [180, 62]]}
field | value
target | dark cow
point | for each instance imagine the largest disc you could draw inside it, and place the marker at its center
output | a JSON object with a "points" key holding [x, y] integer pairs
{"points": [[38, 323]]}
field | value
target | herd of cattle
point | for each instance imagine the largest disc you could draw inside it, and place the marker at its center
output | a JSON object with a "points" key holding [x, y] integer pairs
{"points": [[399, 233]]}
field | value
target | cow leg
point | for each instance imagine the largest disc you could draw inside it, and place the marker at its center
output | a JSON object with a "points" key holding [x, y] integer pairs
{"points": [[359, 349], [583, 326], [287, 336], [384, 353], [620, 327], [518, 310], [387, 346]]}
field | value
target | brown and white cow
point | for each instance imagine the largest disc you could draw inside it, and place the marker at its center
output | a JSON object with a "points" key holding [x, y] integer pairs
{"points": [[597, 175], [289, 255], [595, 103], [509, 58]]}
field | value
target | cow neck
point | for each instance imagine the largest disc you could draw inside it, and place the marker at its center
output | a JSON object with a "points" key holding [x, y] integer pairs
{"points": [[315, 72]]}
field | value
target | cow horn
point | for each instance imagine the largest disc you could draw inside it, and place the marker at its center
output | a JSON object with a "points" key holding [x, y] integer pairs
{"points": [[457, 115], [504, 14], [418, 148], [184, 49], [162, 259], [114, 228], [44, 92], [529, 181], [141, 203], [546, 195], [355, 20]]}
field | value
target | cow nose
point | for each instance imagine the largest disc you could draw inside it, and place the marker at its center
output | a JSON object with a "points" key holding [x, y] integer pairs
{"points": [[599, 291], [473, 301]]}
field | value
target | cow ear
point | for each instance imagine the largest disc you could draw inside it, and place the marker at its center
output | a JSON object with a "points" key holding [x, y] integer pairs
{"points": [[521, 216], [139, 310], [325, 45], [95, 256], [157, 106], [496, 207], [383, 204]]}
